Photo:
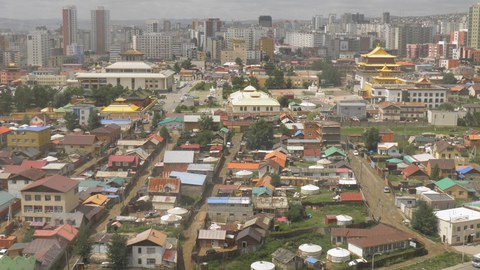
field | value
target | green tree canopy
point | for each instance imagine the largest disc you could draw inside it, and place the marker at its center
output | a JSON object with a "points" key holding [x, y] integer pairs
{"points": [[94, 120], [164, 133], [435, 172], [239, 62], [206, 123], [275, 180], [71, 121], [6, 102], [449, 78], [447, 106], [83, 243], [117, 252], [372, 138], [104, 95], [283, 100], [187, 64], [296, 212], [424, 220], [260, 135]]}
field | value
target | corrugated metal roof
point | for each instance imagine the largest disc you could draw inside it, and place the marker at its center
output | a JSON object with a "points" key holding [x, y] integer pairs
{"points": [[228, 200], [212, 234], [178, 157]]}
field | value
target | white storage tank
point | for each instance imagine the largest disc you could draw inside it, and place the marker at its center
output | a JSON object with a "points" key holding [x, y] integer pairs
{"points": [[338, 255], [310, 250], [262, 265], [344, 220], [310, 189]]}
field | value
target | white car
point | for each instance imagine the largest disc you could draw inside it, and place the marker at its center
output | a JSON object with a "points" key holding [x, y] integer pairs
{"points": [[386, 190], [355, 152]]}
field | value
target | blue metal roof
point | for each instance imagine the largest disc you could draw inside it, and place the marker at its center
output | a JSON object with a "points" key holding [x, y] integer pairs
{"points": [[464, 170], [228, 200], [311, 260], [118, 122], [34, 129], [189, 178]]}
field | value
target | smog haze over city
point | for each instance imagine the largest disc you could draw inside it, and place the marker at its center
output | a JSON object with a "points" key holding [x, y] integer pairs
{"points": [[230, 10]]}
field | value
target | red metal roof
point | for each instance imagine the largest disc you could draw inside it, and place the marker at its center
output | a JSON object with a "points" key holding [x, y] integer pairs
{"points": [[243, 166], [411, 169], [37, 164], [4, 130], [351, 197], [56, 182], [122, 158], [66, 231], [190, 146]]}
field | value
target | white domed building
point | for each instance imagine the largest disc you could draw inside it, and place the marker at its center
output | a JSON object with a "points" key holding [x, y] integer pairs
{"points": [[249, 100]]}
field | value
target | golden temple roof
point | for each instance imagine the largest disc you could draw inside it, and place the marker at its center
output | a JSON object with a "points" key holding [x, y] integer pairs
{"points": [[121, 108], [378, 52], [132, 52]]}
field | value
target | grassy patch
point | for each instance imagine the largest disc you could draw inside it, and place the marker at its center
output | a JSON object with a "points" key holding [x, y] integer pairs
{"points": [[408, 129], [439, 262], [304, 164], [323, 196]]}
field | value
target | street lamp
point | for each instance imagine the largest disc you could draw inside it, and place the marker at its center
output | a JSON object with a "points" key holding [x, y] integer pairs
{"points": [[463, 243], [373, 259]]}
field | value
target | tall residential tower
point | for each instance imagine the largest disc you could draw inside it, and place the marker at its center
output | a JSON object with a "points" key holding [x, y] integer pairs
{"points": [[474, 27], [100, 30], [69, 26]]}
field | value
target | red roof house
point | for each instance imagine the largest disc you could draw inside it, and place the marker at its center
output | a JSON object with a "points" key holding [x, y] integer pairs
{"points": [[351, 197]]}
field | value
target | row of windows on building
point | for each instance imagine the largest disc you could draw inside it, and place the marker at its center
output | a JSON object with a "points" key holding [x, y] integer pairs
{"points": [[256, 108], [47, 198], [40, 209], [24, 140], [426, 100], [428, 94]]}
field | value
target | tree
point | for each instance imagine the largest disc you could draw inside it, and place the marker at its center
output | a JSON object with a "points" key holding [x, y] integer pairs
{"points": [[239, 62], [117, 251], [260, 135], [435, 172], [187, 64], [330, 75], [372, 137], [296, 212], [289, 83], [424, 220], [25, 120], [164, 133], [283, 100], [155, 119], [449, 78], [176, 67], [204, 138], [447, 106], [71, 121], [275, 180], [6, 102], [22, 98], [83, 243], [94, 120], [253, 81], [206, 123]]}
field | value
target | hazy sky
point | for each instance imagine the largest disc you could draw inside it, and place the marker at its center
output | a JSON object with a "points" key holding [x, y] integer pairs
{"points": [[228, 9]]}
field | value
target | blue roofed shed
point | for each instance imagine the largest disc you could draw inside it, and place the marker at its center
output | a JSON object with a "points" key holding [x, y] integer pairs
{"points": [[191, 183]]}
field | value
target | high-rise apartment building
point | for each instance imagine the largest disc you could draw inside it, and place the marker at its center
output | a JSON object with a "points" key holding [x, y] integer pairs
{"points": [[317, 22], [69, 27], [156, 46], [474, 27], [100, 30], [265, 21], [167, 25], [386, 17], [153, 26], [38, 47], [212, 26]]}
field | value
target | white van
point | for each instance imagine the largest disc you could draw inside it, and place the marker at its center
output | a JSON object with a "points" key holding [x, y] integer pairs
{"points": [[476, 260]]}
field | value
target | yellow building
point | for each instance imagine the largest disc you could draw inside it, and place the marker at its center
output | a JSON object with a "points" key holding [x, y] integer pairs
{"points": [[385, 76], [239, 50], [29, 137], [376, 60], [54, 194], [267, 46]]}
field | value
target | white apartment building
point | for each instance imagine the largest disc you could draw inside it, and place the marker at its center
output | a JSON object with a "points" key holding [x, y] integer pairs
{"points": [[305, 39], [458, 226], [37, 48], [154, 45]]}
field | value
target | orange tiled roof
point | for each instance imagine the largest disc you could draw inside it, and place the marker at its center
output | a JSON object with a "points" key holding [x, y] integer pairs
{"points": [[243, 166], [279, 158]]}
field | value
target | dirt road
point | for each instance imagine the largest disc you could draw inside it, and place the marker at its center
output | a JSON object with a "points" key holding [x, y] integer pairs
{"points": [[382, 207], [199, 219]]}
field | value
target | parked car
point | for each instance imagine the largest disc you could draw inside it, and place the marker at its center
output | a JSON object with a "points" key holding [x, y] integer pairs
{"points": [[355, 152], [386, 190]]}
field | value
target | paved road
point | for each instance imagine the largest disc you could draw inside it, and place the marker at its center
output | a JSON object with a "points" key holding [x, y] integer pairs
{"points": [[382, 207], [173, 99], [199, 219]]}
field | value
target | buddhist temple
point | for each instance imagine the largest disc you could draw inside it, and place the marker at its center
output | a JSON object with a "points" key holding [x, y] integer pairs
{"points": [[377, 60]]}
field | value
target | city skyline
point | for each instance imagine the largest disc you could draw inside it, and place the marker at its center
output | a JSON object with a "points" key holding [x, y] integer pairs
{"points": [[245, 10]]}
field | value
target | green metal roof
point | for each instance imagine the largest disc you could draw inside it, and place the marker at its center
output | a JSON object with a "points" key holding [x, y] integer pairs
{"points": [[394, 160], [257, 191], [447, 183], [171, 120], [332, 150]]}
